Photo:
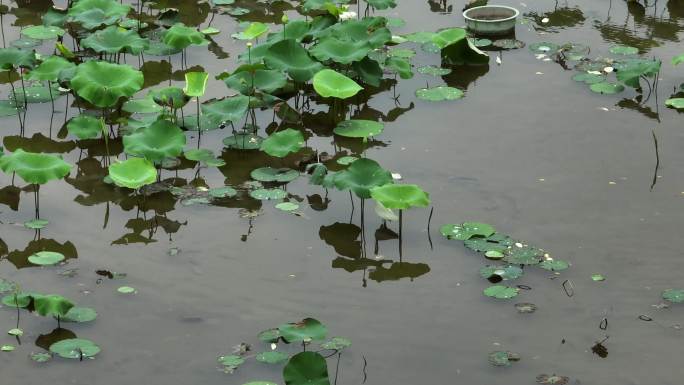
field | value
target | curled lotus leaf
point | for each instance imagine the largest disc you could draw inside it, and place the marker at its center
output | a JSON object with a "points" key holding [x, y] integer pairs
{"points": [[282, 143], [467, 230], [400, 196], [94, 13], [34, 167], [329, 83], [50, 69], [157, 142], [52, 305], [133, 173], [265, 194], [103, 83], [86, 126], [361, 177], [289, 56], [180, 36]]}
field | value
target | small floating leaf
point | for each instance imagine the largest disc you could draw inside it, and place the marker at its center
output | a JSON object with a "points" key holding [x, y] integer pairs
{"points": [[270, 335], [231, 362], [544, 47], [598, 277], [525, 307], [525, 255], [336, 343], [607, 88], [126, 290], [305, 330], [501, 292], [46, 258], [36, 224], [623, 50], [272, 357], [554, 265], [287, 206], [588, 78], [674, 295], [270, 174], [7, 348], [15, 332], [440, 93], [677, 103], [268, 194], [508, 44], [75, 348], [80, 314], [434, 71], [500, 358], [505, 272], [41, 357], [552, 379], [467, 230]]}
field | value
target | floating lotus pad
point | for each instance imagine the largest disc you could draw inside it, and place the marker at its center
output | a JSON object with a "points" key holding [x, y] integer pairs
{"points": [[508, 44], [272, 357], [607, 88], [495, 242], [524, 255], [357, 128], [467, 230], [440, 93], [35, 168], [588, 78], [46, 258], [674, 295], [434, 71], [307, 330], [268, 194], [500, 358], [114, 39], [623, 50], [80, 314], [501, 292], [554, 265], [506, 272], [544, 47], [75, 348], [270, 174], [282, 143]]}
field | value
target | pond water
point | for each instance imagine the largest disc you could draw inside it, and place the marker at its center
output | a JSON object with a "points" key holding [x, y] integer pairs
{"points": [[596, 180]]}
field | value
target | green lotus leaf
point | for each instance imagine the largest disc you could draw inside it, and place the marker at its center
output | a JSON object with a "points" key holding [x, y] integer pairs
{"points": [[588, 78], [677, 103], [46, 258], [243, 141], [179, 36], [554, 264], [440, 93], [161, 140], [284, 142], [146, 105], [500, 358], [80, 314], [35, 168], [289, 56], [306, 368], [265, 194], [270, 174], [55, 16], [75, 348], [448, 37], [133, 173], [41, 32], [159, 48], [420, 37], [369, 70], [269, 335], [506, 272], [677, 59], [231, 362], [7, 285], [199, 155], [495, 242], [126, 290], [196, 83], [272, 357], [357, 128], [306, 330], [37, 94], [501, 292], [10, 107], [337, 343], [94, 13], [329, 83], [400, 196], [287, 206], [114, 39], [86, 126], [40, 357], [434, 71], [227, 110], [16, 58], [607, 88], [361, 177], [265, 80], [20, 300], [253, 31], [401, 66], [544, 47], [623, 50], [172, 97], [633, 71], [222, 192], [467, 230], [52, 305], [674, 295], [25, 43], [50, 69], [524, 255], [35, 224], [207, 123], [340, 51], [505, 44], [103, 83]]}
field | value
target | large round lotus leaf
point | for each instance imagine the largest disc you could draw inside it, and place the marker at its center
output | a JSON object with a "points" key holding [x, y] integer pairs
{"points": [[505, 272], [329, 83], [677, 103], [180, 36], [41, 32], [86, 126], [524, 255], [80, 314], [448, 37], [607, 88], [161, 140], [20, 300], [340, 51], [114, 39], [544, 47], [307, 329], [35, 168], [172, 97], [94, 13], [46, 258], [434, 71], [284, 142], [361, 177], [623, 50], [358, 128], [588, 78], [289, 56], [554, 264], [36, 94], [50, 69], [306, 368], [146, 105], [467, 230], [674, 295], [227, 110], [438, 94], [265, 80], [253, 31], [75, 348], [501, 292], [266, 194], [52, 305], [270, 174], [243, 141], [16, 58], [103, 83], [272, 357], [400, 196], [133, 173]]}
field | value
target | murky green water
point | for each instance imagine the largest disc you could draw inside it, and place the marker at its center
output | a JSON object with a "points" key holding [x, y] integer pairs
{"points": [[527, 149]]}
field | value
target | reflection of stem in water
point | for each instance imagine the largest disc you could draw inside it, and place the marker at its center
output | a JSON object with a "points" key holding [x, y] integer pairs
{"points": [[106, 217], [37, 199], [428, 227], [655, 171], [337, 367], [401, 223], [351, 199]]}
